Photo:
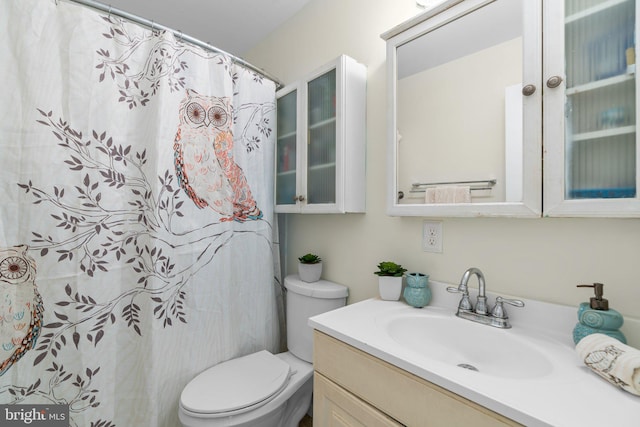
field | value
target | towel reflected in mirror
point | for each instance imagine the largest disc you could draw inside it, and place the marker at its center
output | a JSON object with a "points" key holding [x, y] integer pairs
{"points": [[448, 194]]}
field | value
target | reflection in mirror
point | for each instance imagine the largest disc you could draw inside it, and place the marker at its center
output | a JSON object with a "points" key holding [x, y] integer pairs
{"points": [[459, 110]]}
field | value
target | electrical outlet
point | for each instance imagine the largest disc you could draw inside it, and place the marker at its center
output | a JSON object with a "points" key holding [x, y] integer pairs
{"points": [[432, 236]]}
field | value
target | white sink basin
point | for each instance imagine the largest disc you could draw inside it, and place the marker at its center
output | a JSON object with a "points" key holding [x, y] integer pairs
{"points": [[483, 349]]}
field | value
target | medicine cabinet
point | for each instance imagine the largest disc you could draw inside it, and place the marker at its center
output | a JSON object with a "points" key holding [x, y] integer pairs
{"points": [[320, 150], [480, 102]]}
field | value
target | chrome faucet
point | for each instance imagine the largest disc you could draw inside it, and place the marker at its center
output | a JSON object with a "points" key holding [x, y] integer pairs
{"points": [[481, 303], [498, 316]]}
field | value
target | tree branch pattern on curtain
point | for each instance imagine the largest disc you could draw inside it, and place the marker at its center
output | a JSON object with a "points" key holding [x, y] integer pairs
{"points": [[121, 250]]}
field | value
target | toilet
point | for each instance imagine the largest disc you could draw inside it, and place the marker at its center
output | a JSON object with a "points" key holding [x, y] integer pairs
{"points": [[262, 389]]}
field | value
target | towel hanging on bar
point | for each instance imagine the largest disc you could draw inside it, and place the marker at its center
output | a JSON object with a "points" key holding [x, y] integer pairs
{"points": [[448, 194]]}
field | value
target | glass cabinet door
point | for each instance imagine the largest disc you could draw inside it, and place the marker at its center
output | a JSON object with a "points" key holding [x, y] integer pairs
{"points": [[286, 151], [321, 139], [599, 139]]}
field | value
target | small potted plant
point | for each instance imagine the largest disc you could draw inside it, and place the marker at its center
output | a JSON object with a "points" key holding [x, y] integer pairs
{"points": [[390, 280], [310, 268]]}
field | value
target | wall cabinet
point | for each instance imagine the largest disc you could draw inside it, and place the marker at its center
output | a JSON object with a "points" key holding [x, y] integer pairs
{"points": [[574, 120], [320, 150], [353, 388]]}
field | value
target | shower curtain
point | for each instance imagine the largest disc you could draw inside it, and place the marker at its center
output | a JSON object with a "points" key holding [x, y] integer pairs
{"points": [[136, 223]]}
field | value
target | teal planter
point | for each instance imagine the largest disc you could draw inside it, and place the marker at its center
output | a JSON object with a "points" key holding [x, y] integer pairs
{"points": [[417, 292]]}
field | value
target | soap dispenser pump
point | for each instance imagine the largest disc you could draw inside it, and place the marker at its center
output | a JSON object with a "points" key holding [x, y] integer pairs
{"points": [[595, 316], [597, 302]]}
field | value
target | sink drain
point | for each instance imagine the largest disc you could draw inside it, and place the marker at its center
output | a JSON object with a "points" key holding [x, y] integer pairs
{"points": [[467, 366]]}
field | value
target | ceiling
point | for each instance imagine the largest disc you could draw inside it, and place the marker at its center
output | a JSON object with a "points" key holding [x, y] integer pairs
{"points": [[234, 26]]}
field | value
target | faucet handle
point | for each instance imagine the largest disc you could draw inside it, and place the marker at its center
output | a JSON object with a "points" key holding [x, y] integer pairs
{"points": [[465, 303], [498, 310]]}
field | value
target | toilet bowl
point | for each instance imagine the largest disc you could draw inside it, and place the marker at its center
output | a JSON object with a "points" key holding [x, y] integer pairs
{"points": [[262, 389]]}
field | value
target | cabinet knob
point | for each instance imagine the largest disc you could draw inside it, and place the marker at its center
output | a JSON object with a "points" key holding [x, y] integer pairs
{"points": [[529, 90], [298, 198], [554, 82]]}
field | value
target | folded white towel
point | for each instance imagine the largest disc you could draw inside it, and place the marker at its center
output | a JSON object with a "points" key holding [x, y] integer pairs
{"points": [[614, 361]]}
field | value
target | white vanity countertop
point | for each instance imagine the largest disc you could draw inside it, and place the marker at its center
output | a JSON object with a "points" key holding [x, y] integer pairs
{"points": [[572, 395]]}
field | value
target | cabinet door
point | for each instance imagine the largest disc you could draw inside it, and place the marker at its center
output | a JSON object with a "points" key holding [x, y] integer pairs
{"points": [[590, 99], [321, 139], [465, 111], [286, 190]]}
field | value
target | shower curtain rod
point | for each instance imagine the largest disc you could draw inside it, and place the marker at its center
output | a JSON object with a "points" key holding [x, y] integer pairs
{"points": [[154, 26]]}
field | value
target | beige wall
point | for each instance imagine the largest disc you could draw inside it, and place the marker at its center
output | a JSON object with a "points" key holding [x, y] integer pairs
{"points": [[541, 259]]}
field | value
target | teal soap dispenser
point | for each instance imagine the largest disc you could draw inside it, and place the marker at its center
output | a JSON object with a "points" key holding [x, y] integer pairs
{"points": [[595, 316]]}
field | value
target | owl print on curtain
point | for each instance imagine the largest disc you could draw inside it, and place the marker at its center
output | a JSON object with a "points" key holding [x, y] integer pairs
{"points": [[203, 158], [21, 308]]}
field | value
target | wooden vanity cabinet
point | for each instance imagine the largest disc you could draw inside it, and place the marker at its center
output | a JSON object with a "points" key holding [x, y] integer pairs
{"points": [[353, 388]]}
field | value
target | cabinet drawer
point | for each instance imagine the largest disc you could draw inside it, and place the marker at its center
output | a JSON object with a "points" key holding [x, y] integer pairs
{"points": [[402, 395], [334, 406]]}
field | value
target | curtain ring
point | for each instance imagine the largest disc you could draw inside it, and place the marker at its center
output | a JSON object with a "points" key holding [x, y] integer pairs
{"points": [[110, 8], [180, 36], [153, 26]]}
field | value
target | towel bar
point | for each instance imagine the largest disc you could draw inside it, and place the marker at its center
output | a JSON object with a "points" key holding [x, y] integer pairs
{"points": [[472, 189], [489, 183]]}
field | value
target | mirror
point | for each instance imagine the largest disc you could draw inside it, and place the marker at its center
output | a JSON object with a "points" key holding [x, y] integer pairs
{"points": [[457, 138]]}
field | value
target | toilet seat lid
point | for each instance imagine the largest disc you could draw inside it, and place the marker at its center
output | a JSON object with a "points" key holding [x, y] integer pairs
{"points": [[236, 385]]}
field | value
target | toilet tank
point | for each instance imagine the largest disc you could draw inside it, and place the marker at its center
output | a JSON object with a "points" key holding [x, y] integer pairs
{"points": [[305, 300]]}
